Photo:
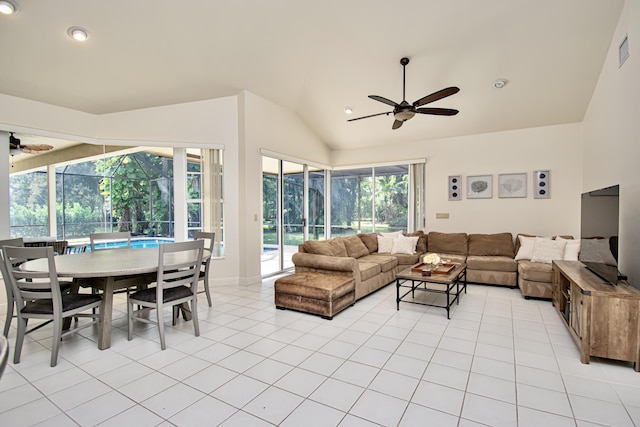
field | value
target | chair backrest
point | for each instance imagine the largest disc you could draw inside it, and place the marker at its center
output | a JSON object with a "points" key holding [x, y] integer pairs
{"points": [[209, 242], [120, 236], [60, 247], [76, 249], [29, 285], [209, 238], [179, 264], [3, 268]]}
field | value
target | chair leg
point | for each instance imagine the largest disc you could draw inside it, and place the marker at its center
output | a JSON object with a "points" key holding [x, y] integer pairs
{"points": [[22, 328], [7, 322], [206, 288], [194, 318], [175, 313], [129, 319], [57, 336], [163, 346]]}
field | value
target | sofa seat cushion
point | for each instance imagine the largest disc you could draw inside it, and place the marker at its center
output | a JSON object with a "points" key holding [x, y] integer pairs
{"points": [[409, 259], [535, 271], [491, 263], [457, 259], [368, 269], [386, 262]]}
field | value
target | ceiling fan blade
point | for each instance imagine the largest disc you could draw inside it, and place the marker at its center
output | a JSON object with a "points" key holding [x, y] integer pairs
{"points": [[397, 124], [383, 100], [372, 115], [438, 111], [443, 93], [35, 148]]}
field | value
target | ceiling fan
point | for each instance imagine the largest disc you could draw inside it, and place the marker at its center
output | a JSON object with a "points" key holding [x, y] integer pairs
{"points": [[15, 147], [405, 111]]}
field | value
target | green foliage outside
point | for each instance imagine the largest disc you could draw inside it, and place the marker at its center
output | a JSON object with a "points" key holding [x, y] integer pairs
{"points": [[136, 195], [352, 207]]}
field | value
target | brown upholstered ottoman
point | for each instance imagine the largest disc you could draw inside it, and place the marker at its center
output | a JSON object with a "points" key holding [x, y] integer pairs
{"points": [[315, 293]]}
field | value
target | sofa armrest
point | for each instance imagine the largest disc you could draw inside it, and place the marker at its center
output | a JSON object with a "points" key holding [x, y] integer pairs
{"points": [[344, 265]]}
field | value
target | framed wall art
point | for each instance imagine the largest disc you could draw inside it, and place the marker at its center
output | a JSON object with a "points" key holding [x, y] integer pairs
{"points": [[455, 187], [512, 185], [480, 187]]}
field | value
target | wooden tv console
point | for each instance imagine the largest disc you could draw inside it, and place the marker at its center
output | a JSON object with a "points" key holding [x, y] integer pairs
{"points": [[602, 319]]}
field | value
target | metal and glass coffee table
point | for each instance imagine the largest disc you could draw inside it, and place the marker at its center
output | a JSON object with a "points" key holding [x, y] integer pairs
{"points": [[450, 284]]}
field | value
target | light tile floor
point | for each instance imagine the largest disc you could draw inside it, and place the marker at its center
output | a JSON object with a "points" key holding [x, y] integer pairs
{"points": [[500, 361]]}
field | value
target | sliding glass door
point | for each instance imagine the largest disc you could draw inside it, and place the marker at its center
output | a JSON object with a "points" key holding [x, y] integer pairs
{"points": [[292, 211]]}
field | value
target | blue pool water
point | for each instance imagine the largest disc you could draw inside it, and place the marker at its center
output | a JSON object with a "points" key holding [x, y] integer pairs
{"points": [[135, 244]]}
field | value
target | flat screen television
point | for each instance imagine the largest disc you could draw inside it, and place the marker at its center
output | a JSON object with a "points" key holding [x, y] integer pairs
{"points": [[599, 219]]}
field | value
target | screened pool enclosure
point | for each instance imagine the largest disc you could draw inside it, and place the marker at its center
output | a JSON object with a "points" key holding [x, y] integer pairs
{"points": [[133, 191]]}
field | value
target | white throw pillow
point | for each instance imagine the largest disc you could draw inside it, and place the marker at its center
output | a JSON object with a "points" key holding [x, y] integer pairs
{"points": [[526, 247], [404, 245], [546, 250], [394, 234], [572, 249], [385, 244]]}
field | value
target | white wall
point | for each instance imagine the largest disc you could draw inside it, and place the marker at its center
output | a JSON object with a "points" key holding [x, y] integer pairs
{"points": [[266, 126], [612, 136], [554, 148]]}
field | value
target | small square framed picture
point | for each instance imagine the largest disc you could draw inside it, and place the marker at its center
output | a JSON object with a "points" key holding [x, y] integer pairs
{"points": [[480, 187], [512, 185]]}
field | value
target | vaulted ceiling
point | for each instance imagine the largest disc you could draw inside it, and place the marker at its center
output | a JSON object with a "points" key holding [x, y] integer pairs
{"points": [[318, 57]]}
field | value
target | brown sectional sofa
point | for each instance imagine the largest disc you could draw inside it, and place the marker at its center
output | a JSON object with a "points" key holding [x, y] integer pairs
{"points": [[489, 257]]}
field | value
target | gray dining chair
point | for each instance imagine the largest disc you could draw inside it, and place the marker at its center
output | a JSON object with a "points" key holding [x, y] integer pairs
{"points": [[120, 236], [38, 296], [176, 283], [4, 353], [209, 241], [7, 283], [75, 249]]}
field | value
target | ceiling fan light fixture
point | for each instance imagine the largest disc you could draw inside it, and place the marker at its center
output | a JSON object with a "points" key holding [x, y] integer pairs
{"points": [[8, 7], [348, 110], [78, 33], [404, 115]]}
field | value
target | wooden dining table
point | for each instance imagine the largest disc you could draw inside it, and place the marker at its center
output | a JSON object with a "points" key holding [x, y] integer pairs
{"points": [[108, 270]]}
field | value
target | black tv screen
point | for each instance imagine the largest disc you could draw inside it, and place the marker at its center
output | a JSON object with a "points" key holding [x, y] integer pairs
{"points": [[599, 220]]}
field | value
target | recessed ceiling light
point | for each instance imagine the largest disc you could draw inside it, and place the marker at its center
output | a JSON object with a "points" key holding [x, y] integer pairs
{"points": [[78, 33], [8, 7], [348, 110], [500, 83]]}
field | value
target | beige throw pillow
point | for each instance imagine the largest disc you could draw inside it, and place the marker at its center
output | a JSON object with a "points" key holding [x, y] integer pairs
{"points": [[404, 245], [385, 244], [546, 250], [572, 249]]}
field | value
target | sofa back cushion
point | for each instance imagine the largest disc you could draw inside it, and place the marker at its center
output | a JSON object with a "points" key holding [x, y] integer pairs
{"points": [[421, 246], [354, 246], [333, 247], [448, 243], [370, 240], [499, 244]]}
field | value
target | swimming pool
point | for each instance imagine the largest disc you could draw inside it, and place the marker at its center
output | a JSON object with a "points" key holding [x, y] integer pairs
{"points": [[135, 244]]}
